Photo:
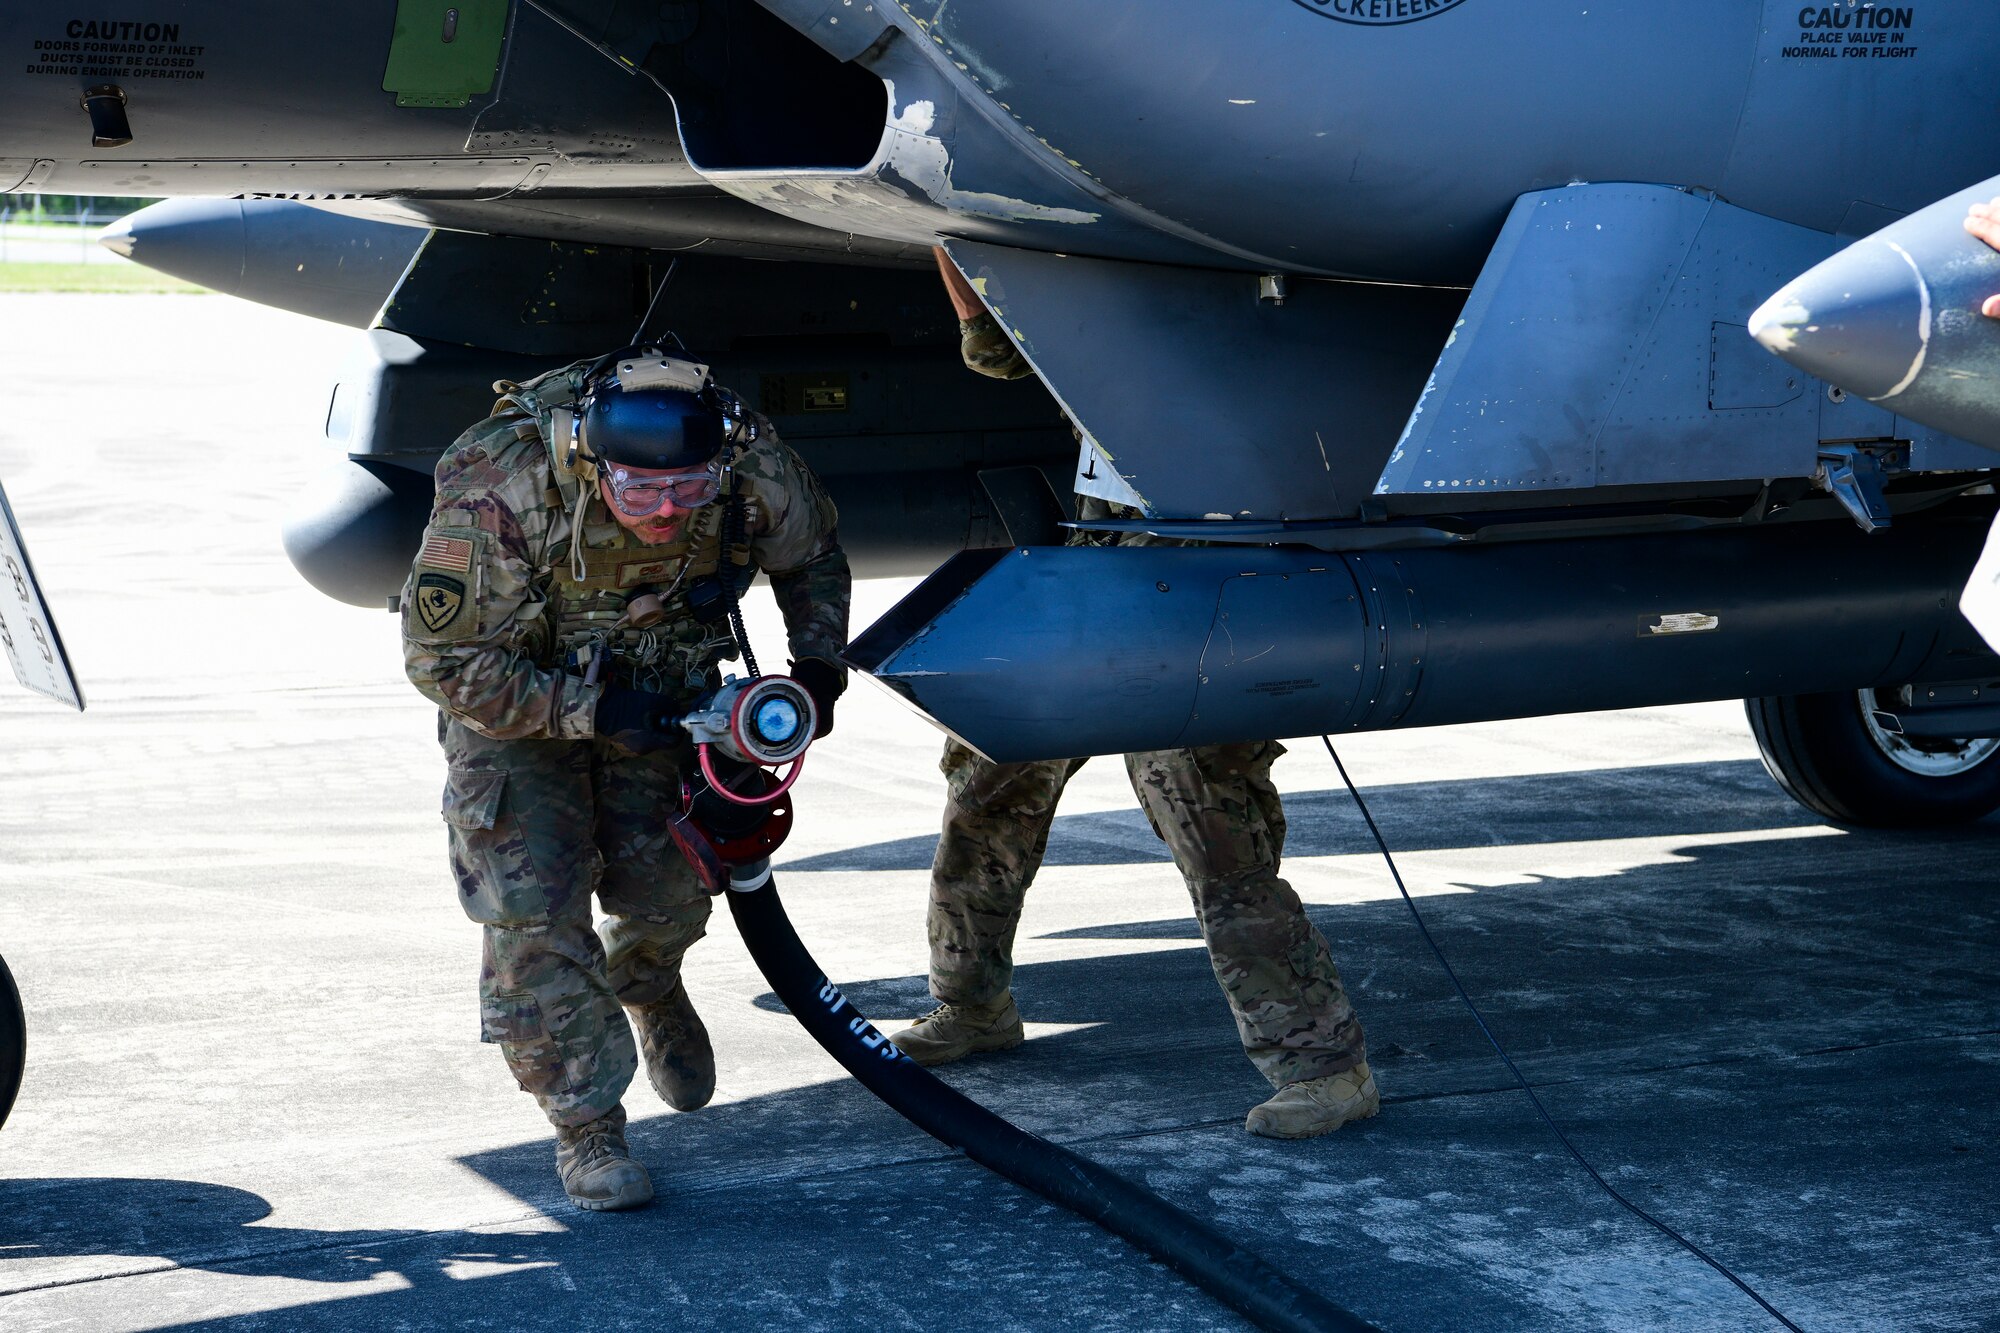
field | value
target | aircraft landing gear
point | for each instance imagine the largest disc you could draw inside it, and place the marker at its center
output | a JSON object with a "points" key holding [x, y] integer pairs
{"points": [[13, 1041], [1840, 756]]}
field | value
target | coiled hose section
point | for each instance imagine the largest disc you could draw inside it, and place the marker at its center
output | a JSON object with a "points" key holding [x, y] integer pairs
{"points": [[1199, 1253]]}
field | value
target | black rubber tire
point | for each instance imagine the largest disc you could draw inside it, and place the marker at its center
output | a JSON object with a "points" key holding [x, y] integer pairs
{"points": [[13, 1041], [1818, 748]]}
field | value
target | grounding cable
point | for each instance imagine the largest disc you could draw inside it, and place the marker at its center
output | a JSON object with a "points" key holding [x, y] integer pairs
{"points": [[1508, 1060]]}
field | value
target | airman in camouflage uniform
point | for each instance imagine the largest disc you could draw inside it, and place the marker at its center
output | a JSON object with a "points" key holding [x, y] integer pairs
{"points": [[1219, 814], [985, 347], [517, 623]]}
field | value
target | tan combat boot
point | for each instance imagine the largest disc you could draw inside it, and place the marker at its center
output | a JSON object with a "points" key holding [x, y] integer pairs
{"points": [[954, 1031], [1316, 1106], [680, 1063], [596, 1167]]}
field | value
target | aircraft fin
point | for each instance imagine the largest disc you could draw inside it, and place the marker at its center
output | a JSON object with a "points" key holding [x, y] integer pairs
{"points": [[1201, 400], [27, 630], [1606, 343]]}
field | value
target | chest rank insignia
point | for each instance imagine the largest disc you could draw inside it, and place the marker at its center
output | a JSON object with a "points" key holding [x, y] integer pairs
{"points": [[633, 573], [439, 598]]}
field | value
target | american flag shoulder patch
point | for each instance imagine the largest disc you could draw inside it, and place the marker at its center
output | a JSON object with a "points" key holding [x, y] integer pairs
{"points": [[441, 552]]}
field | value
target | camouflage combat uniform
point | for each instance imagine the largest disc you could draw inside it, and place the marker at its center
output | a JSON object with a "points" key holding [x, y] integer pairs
{"points": [[1219, 814], [986, 348], [504, 610]]}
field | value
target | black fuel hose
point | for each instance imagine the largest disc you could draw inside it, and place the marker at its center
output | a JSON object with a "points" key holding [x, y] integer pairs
{"points": [[1204, 1256]]}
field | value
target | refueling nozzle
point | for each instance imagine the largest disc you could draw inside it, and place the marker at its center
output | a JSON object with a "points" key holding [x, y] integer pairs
{"points": [[767, 720], [731, 818]]}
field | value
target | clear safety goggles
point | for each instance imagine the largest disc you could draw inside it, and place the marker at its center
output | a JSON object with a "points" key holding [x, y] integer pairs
{"points": [[644, 496]]}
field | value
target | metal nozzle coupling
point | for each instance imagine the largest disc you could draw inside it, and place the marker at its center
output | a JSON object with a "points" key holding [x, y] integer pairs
{"points": [[768, 720]]}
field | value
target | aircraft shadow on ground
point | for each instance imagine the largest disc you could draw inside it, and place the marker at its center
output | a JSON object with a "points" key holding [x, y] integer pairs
{"points": [[191, 1223], [1660, 800], [1730, 955]]}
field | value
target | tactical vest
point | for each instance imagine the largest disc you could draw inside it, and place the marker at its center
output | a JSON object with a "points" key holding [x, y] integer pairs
{"points": [[597, 567]]}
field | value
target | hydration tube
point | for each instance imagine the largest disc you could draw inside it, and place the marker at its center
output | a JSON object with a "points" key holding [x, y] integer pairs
{"points": [[1199, 1253]]}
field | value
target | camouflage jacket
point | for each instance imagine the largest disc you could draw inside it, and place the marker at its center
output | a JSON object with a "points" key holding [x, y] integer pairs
{"points": [[986, 348], [502, 618]]}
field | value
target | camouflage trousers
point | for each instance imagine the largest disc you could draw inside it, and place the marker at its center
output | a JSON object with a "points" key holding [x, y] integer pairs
{"points": [[537, 827], [1219, 814]]}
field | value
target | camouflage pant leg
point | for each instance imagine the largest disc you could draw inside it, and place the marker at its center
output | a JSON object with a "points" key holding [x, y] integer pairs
{"points": [[522, 853], [996, 827], [655, 906], [1219, 813]]}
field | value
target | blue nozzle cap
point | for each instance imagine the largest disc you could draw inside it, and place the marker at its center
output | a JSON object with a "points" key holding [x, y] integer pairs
{"points": [[777, 720]]}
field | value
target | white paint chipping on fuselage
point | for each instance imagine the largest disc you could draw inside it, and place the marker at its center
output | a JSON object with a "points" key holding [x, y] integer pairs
{"points": [[1923, 325], [910, 163], [909, 149], [1430, 387], [1776, 323], [919, 117], [989, 78]]}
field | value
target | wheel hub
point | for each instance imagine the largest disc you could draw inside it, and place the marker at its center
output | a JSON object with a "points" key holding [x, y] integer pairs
{"points": [[1926, 756]]}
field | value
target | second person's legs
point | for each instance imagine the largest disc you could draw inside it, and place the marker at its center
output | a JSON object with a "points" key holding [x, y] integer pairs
{"points": [[996, 829], [1218, 811]]}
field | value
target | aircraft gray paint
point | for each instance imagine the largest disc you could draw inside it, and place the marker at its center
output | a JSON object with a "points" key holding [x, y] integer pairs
{"points": [[1353, 278], [273, 252], [1256, 135], [1896, 318]]}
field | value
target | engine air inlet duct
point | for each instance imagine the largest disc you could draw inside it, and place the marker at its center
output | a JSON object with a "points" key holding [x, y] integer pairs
{"points": [[1204, 1256]]}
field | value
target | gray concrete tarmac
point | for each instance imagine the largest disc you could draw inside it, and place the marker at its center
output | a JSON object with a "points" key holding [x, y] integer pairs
{"points": [[255, 1097]]}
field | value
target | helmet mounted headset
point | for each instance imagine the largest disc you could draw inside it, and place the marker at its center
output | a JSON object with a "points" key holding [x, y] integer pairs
{"points": [[650, 409]]}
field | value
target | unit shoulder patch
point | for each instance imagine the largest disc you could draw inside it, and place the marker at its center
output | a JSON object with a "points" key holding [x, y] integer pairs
{"points": [[440, 599], [450, 577]]}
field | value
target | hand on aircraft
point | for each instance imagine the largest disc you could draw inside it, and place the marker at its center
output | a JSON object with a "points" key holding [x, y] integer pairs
{"points": [[639, 720], [1983, 221]]}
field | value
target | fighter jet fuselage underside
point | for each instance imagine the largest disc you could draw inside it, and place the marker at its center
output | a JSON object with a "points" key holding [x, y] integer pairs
{"points": [[1429, 317]]}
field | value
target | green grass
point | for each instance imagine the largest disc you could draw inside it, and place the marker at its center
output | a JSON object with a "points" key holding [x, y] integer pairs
{"points": [[90, 278]]}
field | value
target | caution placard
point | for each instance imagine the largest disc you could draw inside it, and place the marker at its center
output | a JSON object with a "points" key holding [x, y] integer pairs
{"points": [[27, 630]]}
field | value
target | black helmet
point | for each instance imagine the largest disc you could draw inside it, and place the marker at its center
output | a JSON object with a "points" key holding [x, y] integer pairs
{"points": [[648, 408]]}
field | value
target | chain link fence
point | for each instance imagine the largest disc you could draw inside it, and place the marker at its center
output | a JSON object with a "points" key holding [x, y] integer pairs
{"points": [[59, 228]]}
